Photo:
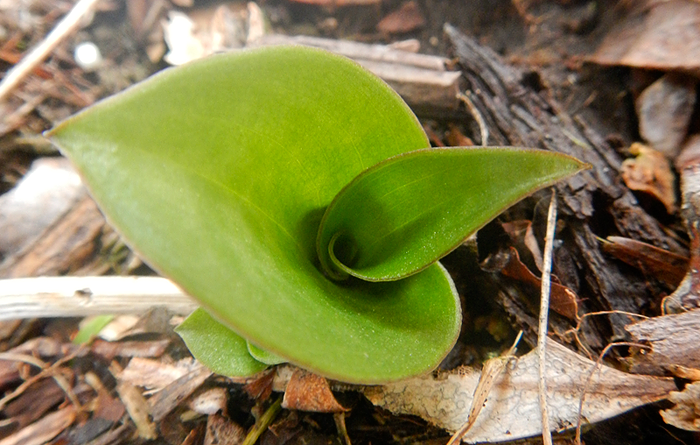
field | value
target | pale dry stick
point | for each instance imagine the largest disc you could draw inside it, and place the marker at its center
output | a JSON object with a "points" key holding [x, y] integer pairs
{"points": [[64, 28], [489, 374], [544, 315], [595, 366], [83, 296], [483, 128]]}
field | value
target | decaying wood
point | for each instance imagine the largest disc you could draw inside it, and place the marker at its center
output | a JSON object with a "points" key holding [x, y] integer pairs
{"points": [[520, 112], [82, 296], [422, 80]]}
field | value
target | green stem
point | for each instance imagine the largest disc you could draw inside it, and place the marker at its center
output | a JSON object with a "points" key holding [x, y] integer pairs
{"points": [[264, 422]]}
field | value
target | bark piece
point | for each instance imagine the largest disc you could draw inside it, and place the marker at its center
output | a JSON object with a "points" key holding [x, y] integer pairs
{"points": [[512, 410], [674, 339], [519, 111]]}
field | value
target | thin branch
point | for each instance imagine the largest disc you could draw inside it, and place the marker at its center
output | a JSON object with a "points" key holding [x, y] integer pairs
{"points": [[83, 296], [544, 315], [64, 28]]}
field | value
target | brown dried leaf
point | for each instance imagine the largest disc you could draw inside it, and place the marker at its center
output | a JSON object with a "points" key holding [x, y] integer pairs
{"points": [[310, 392], [686, 414], [563, 300], [650, 172], [674, 339], [662, 264], [662, 35], [512, 410]]}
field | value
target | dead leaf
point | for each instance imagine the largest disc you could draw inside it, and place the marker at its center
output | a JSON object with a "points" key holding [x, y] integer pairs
{"points": [[405, 19], [310, 392], [663, 35], [512, 410], [686, 414], [674, 339], [664, 110], [650, 172], [662, 264], [563, 300]]}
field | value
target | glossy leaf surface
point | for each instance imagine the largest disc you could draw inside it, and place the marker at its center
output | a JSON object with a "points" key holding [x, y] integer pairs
{"points": [[403, 214], [218, 173]]}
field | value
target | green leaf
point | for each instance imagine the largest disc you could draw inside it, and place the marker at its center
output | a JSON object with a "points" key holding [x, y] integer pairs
{"points": [[264, 356], [218, 173], [90, 327], [222, 350], [402, 215]]}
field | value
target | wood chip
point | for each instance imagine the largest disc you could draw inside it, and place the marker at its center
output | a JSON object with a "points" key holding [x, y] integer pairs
{"points": [[138, 409], [43, 430], [222, 431], [170, 397]]}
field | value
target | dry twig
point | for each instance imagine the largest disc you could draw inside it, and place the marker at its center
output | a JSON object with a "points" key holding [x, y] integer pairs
{"points": [[544, 316]]}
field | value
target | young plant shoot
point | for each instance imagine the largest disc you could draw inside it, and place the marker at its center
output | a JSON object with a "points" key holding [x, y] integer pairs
{"points": [[295, 196]]}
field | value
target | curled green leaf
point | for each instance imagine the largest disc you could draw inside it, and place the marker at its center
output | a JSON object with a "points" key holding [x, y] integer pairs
{"points": [[403, 214]]}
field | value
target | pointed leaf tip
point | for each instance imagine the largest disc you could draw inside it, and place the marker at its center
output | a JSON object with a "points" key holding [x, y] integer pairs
{"points": [[400, 216]]}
